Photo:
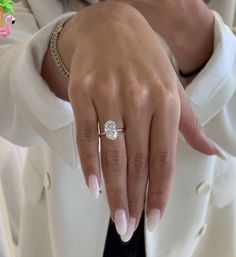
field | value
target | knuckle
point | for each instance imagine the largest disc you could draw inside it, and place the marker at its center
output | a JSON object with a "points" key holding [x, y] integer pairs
{"points": [[168, 93], [137, 166], [138, 95], [86, 133], [163, 161], [114, 158], [118, 192], [167, 99], [115, 194], [87, 157]]}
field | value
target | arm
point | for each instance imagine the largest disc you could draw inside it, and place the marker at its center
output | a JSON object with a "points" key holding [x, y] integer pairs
{"points": [[191, 36], [187, 26]]}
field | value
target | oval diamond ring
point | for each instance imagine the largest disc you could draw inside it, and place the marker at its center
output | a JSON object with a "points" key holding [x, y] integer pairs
{"points": [[111, 130]]}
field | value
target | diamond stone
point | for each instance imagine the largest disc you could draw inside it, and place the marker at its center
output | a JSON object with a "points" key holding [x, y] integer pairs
{"points": [[112, 135], [110, 125], [110, 130]]}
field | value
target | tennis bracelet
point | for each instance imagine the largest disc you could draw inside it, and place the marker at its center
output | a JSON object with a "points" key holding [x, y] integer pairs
{"points": [[54, 48]]}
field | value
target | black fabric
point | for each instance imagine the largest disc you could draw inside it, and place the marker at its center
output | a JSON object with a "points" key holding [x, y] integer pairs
{"points": [[115, 247]]}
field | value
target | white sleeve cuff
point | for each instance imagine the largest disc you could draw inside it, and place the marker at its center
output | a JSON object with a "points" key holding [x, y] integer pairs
{"points": [[214, 86]]}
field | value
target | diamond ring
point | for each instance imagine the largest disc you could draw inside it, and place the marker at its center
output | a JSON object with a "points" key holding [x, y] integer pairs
{"points": [[111, 130]]}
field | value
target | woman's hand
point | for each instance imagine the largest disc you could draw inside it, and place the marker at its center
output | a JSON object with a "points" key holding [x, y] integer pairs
{"points": [[120, 72]]}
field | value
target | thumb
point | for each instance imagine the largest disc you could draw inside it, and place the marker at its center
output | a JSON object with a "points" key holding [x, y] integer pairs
{"points": [[192, 130]]}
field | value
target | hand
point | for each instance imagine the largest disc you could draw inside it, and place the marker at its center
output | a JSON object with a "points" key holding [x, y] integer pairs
{"points": [[120, 72]]}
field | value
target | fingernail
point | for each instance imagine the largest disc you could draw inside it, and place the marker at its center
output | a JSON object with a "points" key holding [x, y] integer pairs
{"points": [[121, 222], [93, 186], [153, 219], [130, 230], [220, 153]]}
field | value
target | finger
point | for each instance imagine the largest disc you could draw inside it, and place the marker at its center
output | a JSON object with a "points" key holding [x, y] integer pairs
{"points": [[137, 145], [191, 128], [163, 141], [114, 167], [87, 139]]}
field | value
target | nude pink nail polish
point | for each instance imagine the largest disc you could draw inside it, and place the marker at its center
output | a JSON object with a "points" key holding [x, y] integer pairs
{"points": [[93, 186], [121, 221], [220, 152], [153, 219], [130, 230]]}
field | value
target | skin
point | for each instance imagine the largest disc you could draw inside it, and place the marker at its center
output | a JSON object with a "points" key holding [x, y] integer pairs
{"points": [[120, 71], [189, 32]]}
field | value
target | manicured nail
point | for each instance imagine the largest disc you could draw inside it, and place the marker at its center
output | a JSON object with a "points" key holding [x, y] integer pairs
{"points": [[121, 221], [220, 153], [93, 186], [153, 219], [130, 230]]}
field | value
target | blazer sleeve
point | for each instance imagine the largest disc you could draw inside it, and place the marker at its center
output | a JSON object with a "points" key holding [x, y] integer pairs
{"points": [[22, 90], [212, 93]]}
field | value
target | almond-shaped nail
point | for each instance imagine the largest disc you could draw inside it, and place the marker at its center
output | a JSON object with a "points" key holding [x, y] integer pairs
{"points": [[121, 221], [93, 186], [220, 153], [130, 230], [153, 219]]}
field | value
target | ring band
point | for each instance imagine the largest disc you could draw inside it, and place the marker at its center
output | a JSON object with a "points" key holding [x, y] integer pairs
{"points": [[111, 130]]}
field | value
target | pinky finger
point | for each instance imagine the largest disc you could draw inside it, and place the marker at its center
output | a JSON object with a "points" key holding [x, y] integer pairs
{"points": [[87, 141]]}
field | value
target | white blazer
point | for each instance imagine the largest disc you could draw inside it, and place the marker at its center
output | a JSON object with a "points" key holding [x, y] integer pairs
{"points": [[59, 217]]}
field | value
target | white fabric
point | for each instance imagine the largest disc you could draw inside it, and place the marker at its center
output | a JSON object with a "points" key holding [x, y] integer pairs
{"points": [[59, 217], [6, 245], [11, 195]]}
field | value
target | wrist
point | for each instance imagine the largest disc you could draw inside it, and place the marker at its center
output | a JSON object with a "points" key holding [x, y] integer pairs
{"points": [[186, 26], [57, 59], [190, 35]]}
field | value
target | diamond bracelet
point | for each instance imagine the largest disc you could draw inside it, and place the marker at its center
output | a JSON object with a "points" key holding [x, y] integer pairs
{"points": [[54, 49]]}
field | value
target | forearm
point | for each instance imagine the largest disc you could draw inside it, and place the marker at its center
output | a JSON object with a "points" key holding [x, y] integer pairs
{"points": [[187, 26], [189, 35]]}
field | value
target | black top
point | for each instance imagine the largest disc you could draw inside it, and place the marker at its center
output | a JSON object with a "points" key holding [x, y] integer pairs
{"points": [[115, 247]]}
